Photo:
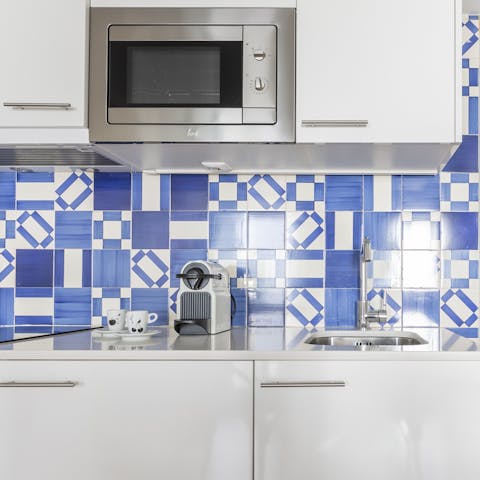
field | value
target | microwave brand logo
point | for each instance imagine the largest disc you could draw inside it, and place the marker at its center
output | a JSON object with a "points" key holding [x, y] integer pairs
{"points": [[192, 132]]}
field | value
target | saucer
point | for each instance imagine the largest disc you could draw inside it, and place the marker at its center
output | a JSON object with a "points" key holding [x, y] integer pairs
{"points": [[126, 335], [110, 333]]}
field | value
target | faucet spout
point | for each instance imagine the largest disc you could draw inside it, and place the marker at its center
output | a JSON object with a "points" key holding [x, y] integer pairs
{"points": [[365, 313]]}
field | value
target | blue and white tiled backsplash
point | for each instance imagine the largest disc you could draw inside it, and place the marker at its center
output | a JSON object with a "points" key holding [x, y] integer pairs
{"points": [[73, 245]]}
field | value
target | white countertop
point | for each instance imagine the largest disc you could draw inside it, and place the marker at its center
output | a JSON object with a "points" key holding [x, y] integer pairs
{"points": [[237, 344]]}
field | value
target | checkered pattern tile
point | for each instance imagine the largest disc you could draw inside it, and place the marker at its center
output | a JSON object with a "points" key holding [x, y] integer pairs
{"points": [[227, 192], [421, 230], [7, 227], [306, 192], [460, 269], [235, 261], [104, 299], [266, 268], [112, 230], [459, 192]]}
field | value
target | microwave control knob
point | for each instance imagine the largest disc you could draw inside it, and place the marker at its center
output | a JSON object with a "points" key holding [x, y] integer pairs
{"points": [[259, 84], [259, 55]]}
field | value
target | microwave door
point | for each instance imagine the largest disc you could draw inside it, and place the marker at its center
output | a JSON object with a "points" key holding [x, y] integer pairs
{"points": [[167, 74]]}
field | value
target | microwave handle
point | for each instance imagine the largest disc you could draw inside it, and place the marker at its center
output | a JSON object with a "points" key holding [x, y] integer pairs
{"points": [[41, 105]]}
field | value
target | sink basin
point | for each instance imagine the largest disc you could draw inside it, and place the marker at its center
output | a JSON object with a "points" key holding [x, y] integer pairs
{"points": [[359, 338]]}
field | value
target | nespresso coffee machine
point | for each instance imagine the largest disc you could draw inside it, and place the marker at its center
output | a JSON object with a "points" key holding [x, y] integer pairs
{"points": [[204, 300]]}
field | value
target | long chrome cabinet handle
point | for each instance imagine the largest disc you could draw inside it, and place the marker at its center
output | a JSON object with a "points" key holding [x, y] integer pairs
{"points": [[37, 384], [325, 384], [334, 123], [23, 106]]}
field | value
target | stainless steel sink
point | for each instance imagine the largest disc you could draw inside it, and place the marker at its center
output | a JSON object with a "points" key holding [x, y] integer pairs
{"points": [[360, 338]]}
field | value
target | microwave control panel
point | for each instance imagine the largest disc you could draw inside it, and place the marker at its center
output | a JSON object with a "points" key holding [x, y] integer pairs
{"points": [[259, 74]]}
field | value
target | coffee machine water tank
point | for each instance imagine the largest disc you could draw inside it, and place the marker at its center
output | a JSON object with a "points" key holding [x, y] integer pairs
{"points": [[204, 300]]}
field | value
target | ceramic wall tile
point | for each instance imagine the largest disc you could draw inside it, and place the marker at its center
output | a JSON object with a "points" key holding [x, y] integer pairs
{"points": [[189, 192], [305, 230], [73, 190], [227, 192], [304, 307], [267, 192], [150, 192], [343, 192], [112, 191]]}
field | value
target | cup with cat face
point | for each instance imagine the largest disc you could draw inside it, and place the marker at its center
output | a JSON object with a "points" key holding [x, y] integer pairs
{"points": [[137, 320]]}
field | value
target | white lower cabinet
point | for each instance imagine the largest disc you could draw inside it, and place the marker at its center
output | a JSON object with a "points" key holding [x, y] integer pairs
{"points": [[126, 420], [391, 420]]}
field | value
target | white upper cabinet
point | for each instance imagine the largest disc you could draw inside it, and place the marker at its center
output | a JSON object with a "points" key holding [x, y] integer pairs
{"points": [[43, 51], [194, 3], [380, 71]]}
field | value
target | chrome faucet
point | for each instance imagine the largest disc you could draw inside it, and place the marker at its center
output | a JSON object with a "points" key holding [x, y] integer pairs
{"points": [[365, 313]]}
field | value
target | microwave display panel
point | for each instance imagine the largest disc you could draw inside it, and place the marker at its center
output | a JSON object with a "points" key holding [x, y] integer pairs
{"points": [[169, 74]]}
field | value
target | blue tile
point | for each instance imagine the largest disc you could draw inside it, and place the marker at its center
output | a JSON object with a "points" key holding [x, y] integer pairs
{"points": [[35, 191], [39, 300], [150, 192], [7, 229], [341, 308], [73, 229], [189, 192], [178, 258], [45, 329], [384, 229], [421, 192], [73, 306], [228, 229], [343, 230], [155, 301], [188, 230], [111, 268], [421, 308], [227, 192], [465, 159], [34, 268], [6, 306], [150, 230], [343, 192], [239, 307], [112, 191], [382, 193], [73, 268], [266, 230], [7, 190], [266, 307], [305, 269], [6, 334], [459, 231], [342, 269]]}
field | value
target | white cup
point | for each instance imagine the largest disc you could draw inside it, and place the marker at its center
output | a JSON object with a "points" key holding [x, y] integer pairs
{"points": [[116, 320], [137, 320]]}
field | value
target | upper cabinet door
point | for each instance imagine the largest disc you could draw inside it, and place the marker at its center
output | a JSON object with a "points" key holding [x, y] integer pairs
{"points": [[43, 52], [383, 71]]}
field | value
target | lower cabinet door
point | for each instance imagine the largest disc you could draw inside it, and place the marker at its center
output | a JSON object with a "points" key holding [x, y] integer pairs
{"points": [[126, 420], [367, 420]]}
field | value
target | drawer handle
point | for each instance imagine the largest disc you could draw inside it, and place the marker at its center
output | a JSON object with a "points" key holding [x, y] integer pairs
{"points": [[37, 384], [334, 123], [23, 106], [326, 384]]}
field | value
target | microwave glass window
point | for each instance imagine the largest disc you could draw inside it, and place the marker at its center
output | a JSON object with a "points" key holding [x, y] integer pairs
{"points": [[153, 74]]}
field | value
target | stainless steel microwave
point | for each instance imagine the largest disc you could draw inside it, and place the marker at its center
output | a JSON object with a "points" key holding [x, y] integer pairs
{"points": [[192, 75]]}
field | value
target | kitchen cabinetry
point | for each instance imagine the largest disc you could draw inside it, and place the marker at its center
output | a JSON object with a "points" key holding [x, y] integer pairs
{"points": [[377, 420], [125, 420], [44, 55], [379, 71]]}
